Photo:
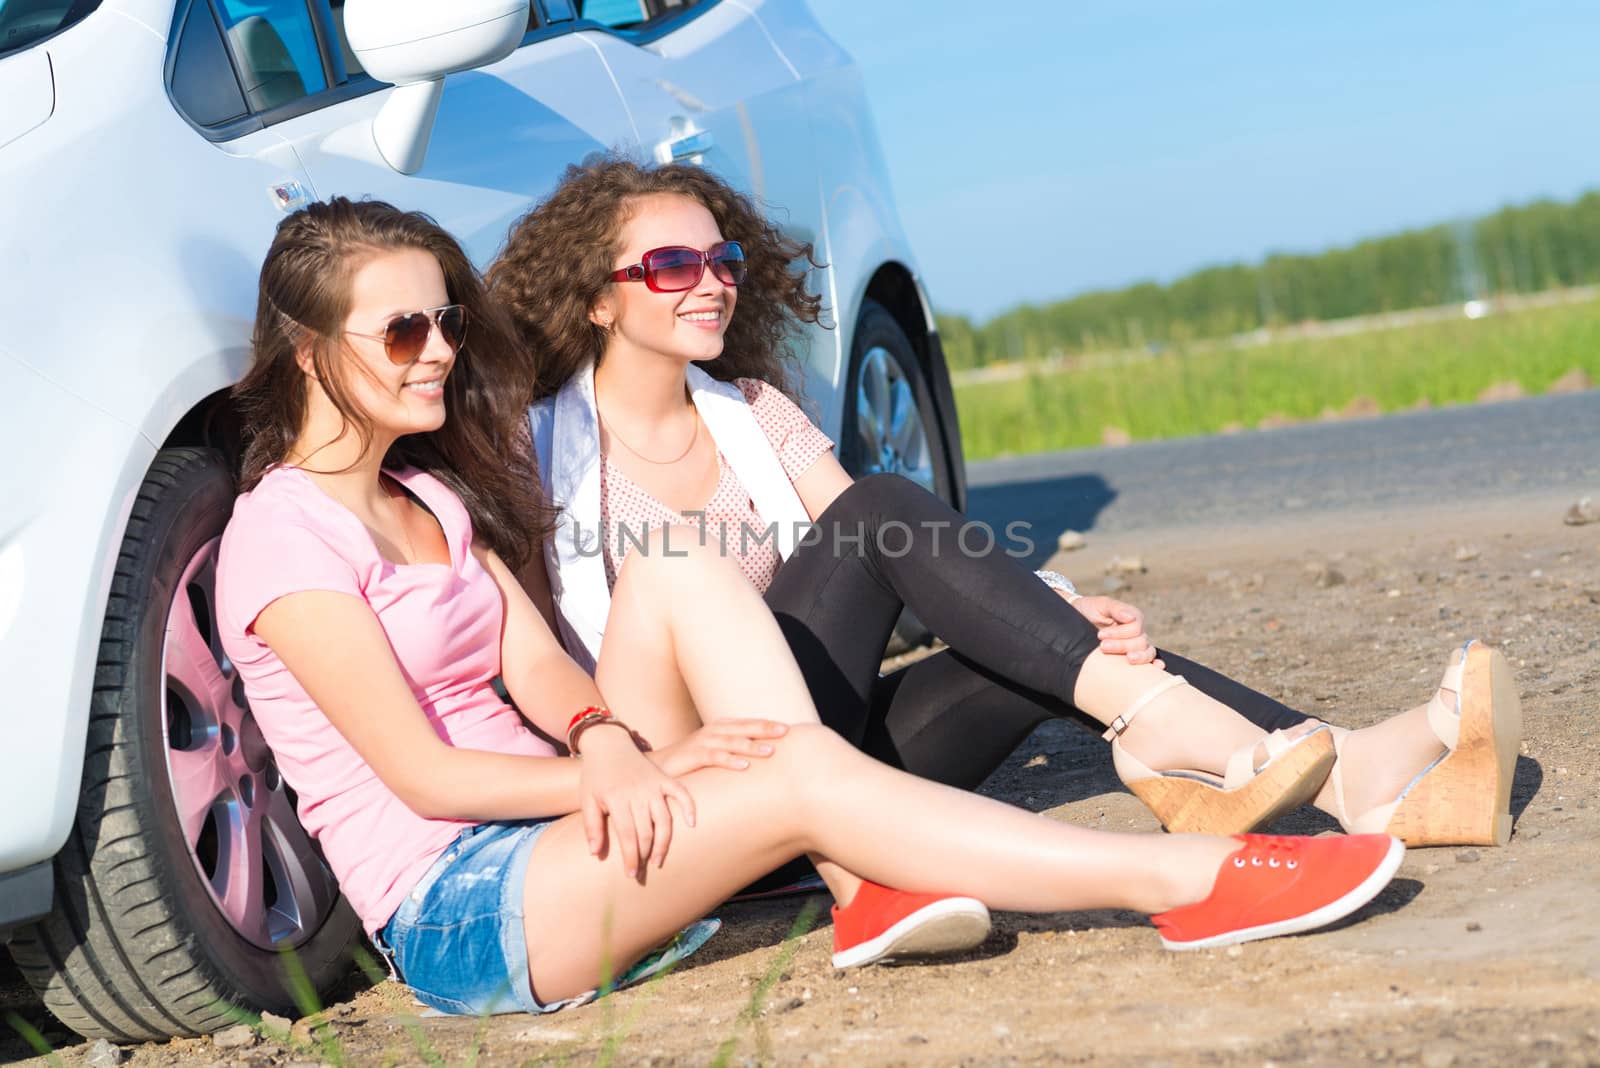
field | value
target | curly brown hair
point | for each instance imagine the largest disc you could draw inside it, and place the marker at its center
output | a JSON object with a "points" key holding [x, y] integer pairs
{"points": [[558, 259], [480, 452]]}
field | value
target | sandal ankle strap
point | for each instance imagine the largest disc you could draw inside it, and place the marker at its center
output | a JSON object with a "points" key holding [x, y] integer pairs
{"points": [[1124, 721]]}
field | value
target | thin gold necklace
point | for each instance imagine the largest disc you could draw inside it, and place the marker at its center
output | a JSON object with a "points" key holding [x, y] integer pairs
{"points": [[693, 437]]}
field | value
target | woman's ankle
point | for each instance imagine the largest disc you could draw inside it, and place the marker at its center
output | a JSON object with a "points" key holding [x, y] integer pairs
{"points": [[1188, 870]]}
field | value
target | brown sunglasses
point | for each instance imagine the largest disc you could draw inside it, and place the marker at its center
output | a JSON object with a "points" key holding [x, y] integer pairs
{"points": [[405, 336]]}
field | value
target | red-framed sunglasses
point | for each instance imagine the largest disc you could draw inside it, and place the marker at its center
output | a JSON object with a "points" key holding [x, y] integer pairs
{"points": [[674, 268], [405, 336]]}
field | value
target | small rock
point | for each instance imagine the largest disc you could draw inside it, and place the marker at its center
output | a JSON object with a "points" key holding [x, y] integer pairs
{"points": [[1438, 1055], [1392, 593], [1235, 951], [303, 1064], [1474, 926], [1531, 832], [1071, 541], [1467, 856], [1501, 391], [546, 1034], [1324, 576], [1467, 552], [103, 1055], [917, 1040], [1112, 584], [1361, 406], [1001, 1030], [1218, 576], [1430, 869], [1574, 381], [239, 1036], [1125, 565], [787, 1005], [274, 1025], [1583, 511]]}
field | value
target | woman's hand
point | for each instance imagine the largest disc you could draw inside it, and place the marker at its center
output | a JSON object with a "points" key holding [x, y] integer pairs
{"points": [[729, 743], [627, 799], [1121, 629]]}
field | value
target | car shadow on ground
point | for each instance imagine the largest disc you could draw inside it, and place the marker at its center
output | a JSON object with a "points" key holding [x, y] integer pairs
{"points": [[1048, 506]]}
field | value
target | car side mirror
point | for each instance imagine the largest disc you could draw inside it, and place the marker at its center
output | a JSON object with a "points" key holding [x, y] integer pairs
{"points": [[414, 44]]}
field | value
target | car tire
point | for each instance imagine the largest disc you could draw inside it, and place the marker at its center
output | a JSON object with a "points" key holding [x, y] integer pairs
{"points": [[891, 425], [139, 945]]}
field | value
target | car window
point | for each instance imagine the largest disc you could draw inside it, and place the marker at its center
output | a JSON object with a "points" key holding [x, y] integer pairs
{"points": [[203, 83], [627, 14], [275, 48], [27, 22], [352, 65]]}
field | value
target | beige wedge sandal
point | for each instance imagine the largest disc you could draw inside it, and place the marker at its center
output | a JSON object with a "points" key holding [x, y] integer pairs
{"points": [[1247, 796], [1463, 797]]}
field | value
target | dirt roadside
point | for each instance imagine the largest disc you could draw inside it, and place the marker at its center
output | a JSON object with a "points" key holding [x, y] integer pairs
{"points": [[1472, 956]]}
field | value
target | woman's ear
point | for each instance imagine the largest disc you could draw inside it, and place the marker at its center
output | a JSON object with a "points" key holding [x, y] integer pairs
{"points": [[306, 361], [602, 314]]}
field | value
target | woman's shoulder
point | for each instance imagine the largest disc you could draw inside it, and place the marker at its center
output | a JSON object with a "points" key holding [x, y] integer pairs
{"points": [[768, 402], [285, 507]]}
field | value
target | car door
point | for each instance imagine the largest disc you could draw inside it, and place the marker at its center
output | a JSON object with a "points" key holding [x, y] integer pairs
{"points": [[703, 84], [501, 139]]}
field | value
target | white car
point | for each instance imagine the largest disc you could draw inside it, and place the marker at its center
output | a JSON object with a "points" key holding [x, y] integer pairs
{"points": [[151, 864]]}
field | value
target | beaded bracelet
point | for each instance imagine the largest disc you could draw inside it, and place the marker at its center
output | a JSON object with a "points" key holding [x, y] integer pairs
{"points": [[585, 719], [1057, 581]]}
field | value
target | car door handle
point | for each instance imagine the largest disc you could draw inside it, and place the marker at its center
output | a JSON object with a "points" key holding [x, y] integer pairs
{"points": [[685, 147]]}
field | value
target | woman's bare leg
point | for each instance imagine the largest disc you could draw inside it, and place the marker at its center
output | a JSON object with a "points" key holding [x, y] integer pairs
{"points": [[677, 596], [817, 794]]}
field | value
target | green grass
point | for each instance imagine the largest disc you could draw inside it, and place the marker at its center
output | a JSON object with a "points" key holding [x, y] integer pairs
{"points": [[1180, 393]]}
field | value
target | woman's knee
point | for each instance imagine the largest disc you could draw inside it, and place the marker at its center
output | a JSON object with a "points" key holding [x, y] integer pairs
{"points": [[806, 758], [880, 494], [677, 553]]}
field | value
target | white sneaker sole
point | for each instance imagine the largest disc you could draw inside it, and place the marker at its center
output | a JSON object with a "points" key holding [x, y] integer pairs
{"points": [[1334, 910], [952, 925]]}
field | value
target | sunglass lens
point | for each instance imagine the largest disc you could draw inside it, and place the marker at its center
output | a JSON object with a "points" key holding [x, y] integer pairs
{"points": [[674, 269], [406, 336], [727, 262], [453, 326]]}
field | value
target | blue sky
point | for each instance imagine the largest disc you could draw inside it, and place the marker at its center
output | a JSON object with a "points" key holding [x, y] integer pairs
{"points": [[1040, 148]]}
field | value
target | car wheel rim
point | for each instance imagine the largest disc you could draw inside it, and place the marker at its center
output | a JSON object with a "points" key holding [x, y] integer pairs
{"points": [[237, 815], [889, 426]]}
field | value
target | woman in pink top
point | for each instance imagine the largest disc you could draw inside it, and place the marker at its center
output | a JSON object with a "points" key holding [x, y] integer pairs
{"points": [[640, 290], [366, 587]]}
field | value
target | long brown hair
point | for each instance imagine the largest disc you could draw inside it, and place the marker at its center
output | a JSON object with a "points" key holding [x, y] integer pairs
{"points": [[559, 256], [480, 452]]}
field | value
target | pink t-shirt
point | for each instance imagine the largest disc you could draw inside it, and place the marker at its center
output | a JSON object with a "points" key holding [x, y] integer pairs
{"points": [[288, 536], [730, 512]]}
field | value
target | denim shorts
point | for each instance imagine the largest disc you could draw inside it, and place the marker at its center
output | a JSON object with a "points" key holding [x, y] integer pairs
{"points": [[457, 938]]}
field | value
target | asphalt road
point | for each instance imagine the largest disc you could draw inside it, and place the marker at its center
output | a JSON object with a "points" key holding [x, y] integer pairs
{"points": [[1510, 450]]}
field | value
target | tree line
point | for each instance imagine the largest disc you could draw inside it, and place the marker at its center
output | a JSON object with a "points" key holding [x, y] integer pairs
{"points": [[1542, 245]]}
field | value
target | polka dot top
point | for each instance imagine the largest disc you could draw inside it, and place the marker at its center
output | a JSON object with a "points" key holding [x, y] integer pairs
{"points": [[730, 513]]}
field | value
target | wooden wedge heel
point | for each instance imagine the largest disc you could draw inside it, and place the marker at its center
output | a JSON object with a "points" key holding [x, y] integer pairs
{"points": [[1463, 797], [1247, 796]]}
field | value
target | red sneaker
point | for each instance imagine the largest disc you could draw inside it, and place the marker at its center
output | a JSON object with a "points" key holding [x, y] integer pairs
{"points": [[1280, 885], [882, 923]]}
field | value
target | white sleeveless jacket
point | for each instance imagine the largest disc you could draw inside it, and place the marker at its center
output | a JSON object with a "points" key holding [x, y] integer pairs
{"points": [[566, 439]]}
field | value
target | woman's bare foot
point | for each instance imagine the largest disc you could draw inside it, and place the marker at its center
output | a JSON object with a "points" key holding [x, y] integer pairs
{"points": [[1376, 763]]}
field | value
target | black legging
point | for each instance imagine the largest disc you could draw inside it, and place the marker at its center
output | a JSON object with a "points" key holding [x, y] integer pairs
{"points": [[1015, 645]]}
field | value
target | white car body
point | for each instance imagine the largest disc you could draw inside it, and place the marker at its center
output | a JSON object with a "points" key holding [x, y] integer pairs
{"points": [[133, 240]]}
